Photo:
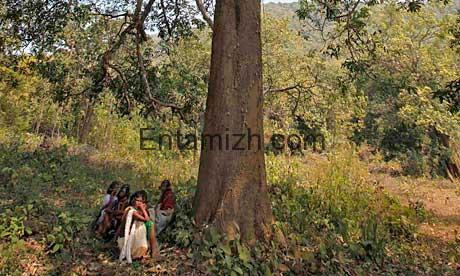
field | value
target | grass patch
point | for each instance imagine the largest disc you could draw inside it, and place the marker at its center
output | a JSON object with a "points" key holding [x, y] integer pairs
{"points": [[333, 218]]}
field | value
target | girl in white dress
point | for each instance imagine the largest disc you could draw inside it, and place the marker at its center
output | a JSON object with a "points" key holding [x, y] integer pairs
{"points": [[137, 232]]}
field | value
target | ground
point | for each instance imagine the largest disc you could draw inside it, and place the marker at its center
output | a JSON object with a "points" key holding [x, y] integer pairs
{"points": [[68, 206], [439, 197]]}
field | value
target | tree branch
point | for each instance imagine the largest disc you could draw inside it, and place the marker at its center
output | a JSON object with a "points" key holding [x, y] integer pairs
{"points": [[135, 27], [298, 87], [204, 13], [111, 16], [143, 74]]}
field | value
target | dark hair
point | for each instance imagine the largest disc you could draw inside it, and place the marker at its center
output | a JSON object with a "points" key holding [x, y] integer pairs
{"points": [[165, 183], [124, 188], [112, 187], [142, 194]]}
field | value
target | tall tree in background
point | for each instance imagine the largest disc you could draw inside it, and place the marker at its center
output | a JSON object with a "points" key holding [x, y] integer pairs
{"points": [[232, 192]]}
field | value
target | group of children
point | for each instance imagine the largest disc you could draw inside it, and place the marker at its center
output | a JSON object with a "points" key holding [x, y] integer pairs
{"points": [[132, 222]]}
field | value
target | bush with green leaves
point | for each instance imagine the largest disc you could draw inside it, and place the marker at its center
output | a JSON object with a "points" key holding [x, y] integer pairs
{"points": [[336, 216], [12, 223], [65, 231], [222, 256], [181, 230]]}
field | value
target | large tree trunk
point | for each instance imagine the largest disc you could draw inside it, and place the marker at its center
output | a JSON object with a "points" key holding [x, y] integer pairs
{"points": [[232, 190]]}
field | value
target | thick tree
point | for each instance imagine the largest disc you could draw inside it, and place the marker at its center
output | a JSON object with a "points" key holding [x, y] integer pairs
{"points": [[232, 193]]}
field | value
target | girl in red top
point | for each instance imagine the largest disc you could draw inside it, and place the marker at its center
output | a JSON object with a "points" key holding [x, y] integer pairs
{"points": [[164, 210]]}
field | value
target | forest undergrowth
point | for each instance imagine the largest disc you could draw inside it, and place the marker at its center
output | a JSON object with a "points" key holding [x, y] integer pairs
{"points": [[335, 216]]}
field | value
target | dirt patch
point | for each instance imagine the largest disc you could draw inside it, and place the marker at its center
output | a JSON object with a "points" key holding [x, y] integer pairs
{"points": [[439, 197]]}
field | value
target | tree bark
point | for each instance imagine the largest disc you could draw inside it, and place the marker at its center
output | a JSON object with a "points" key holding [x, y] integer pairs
{"points": [[86, 122], [232, 193], [452, 170]]}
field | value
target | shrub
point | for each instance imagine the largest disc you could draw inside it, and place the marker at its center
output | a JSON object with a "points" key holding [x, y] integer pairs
{"points": [[336, 213]]}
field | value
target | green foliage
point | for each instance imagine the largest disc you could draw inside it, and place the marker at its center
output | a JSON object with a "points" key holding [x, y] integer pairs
{"points": [[303, 87], [181, 230], [451, 95], [399, 97], [337, 216], [12, 226], [231, 257], [23, 22], [209, 249], [330, 214], [402, 119], [65, 231]]}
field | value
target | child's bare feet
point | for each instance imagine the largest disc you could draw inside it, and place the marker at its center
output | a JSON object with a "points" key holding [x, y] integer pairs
{"points": [[145, 259], [156, 256]]}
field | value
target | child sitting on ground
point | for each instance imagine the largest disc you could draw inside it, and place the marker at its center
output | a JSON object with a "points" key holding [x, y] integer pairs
{"points": [[114, 213], [137, 232], [109, 197], [164, 210]]}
